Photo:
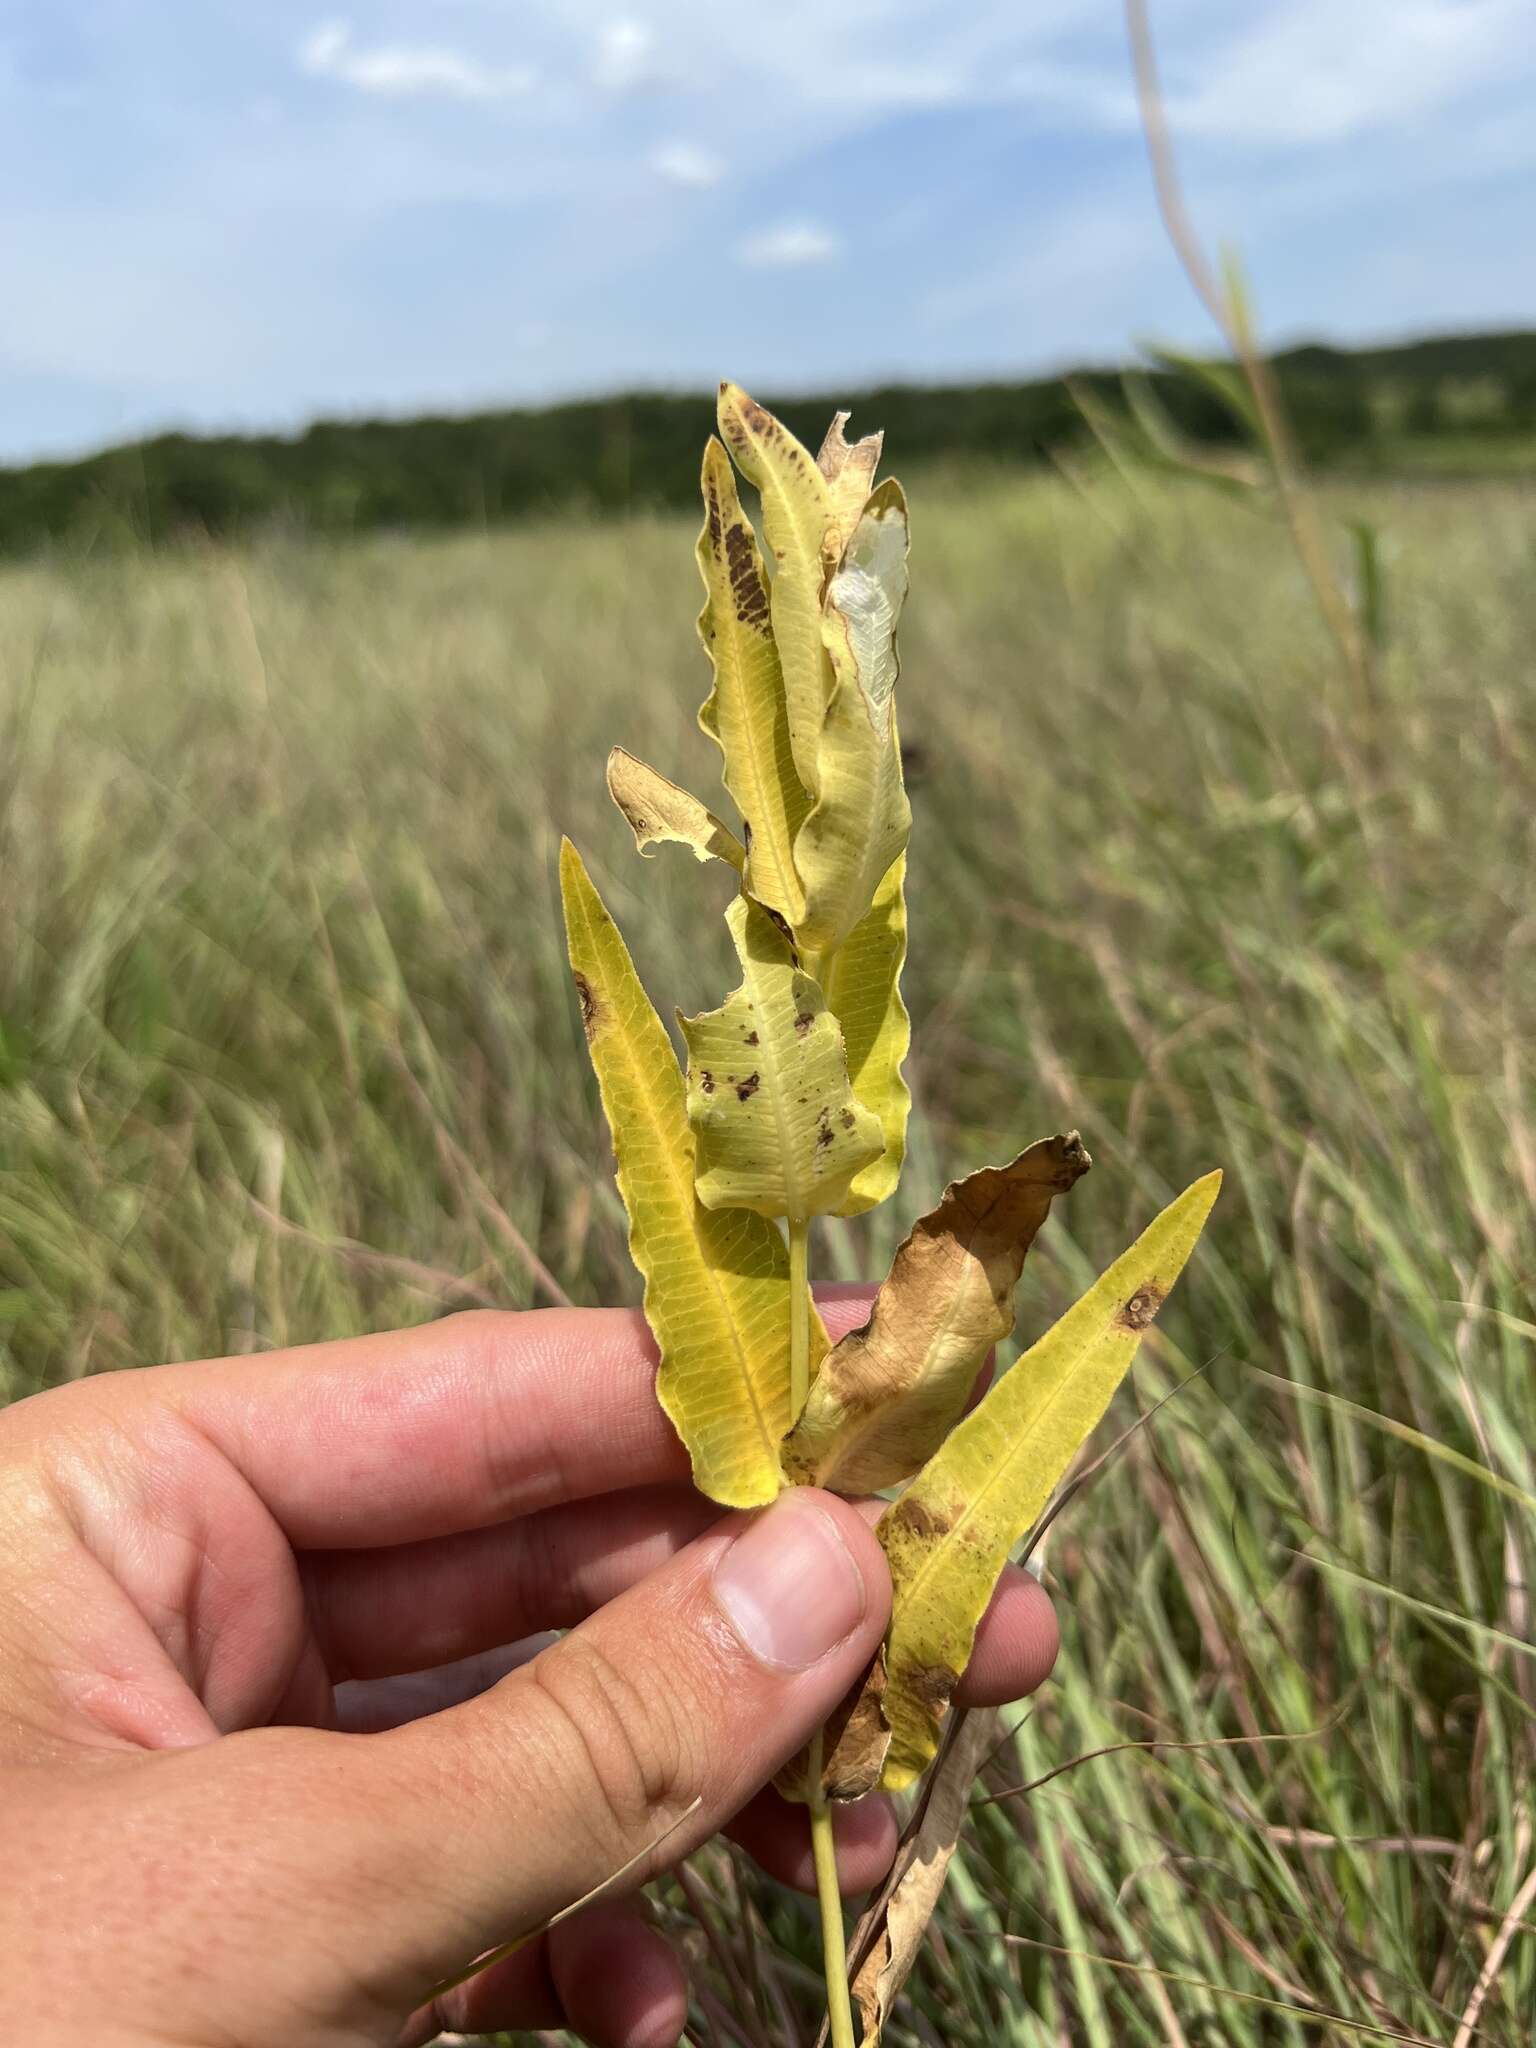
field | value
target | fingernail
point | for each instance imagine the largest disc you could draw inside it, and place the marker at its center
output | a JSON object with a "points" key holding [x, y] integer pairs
{"points": [[789, 1585]]}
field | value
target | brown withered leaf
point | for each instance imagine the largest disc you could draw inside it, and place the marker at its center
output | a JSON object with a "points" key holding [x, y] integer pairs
{"points": [[854, 1742], [849, 468], [890, 1931], [889, 1393], [658, 810]]}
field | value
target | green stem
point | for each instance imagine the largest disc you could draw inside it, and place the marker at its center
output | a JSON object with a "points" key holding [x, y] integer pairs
{"points": [[834, 1947], [799, 1318], [833, 1940]]}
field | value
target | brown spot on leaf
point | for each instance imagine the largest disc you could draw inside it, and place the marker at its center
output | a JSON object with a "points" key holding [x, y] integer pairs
{"points": [[856, 1737], [934, 1685], [915, 1518], [748, 592], [752, 1038], [589, 1006], [1142, 1307], [855, 1740], [858, 1376], [803, 1023], [847, 1119], [712, 512], [706, 1081], [745, 1090]]}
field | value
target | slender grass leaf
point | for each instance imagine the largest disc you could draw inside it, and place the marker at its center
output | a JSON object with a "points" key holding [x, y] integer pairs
{"points": [[888, 1395], [800, 528], [1223, 380], [1404, 1432], [745, 712], [860, 821], [949, 1535], [776, 1125], [658, 810], [1448, 1615], [1370, 583], [863, 990], [716, 1281], [1178, 452]]}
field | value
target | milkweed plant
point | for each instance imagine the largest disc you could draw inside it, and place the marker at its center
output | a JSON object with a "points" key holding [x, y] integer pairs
{"points": [[791, 1104]]}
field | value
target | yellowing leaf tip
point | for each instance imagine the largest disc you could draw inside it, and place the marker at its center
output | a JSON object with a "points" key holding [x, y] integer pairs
{"points": [[1200, 1195]]}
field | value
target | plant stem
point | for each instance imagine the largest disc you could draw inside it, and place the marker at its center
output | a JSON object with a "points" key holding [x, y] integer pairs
{"points": [[799, 1318], [833, 1940], [834, 1946]]}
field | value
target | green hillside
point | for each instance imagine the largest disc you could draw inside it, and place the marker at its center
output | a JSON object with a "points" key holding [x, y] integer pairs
{"points": [[1458, 402]]}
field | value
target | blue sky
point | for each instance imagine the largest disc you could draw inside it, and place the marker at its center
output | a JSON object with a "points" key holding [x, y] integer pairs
{"points": [[223, 215]]}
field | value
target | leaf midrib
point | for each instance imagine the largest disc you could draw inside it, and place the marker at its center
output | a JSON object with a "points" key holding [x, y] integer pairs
{"points": [[783, 856], [1007, 1464]]}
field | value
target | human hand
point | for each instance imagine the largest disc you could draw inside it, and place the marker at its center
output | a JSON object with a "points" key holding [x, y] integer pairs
{"points": [[230, 1814]]}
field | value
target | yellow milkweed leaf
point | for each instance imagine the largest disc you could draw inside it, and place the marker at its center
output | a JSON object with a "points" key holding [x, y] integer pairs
{"points": [[745, 713], [887, 1396], [860, 819], [849, 469], [863, 991], [949, 1536], [716, 1281], [776, 1126], [800, 528], [658, 810]]}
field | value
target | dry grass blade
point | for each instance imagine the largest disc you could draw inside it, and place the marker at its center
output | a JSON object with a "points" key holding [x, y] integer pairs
{"points": [[599, 1891], [899, 1934], [1227, 312], [1151, 1747], [1305, 2014], [1488, 1975]]}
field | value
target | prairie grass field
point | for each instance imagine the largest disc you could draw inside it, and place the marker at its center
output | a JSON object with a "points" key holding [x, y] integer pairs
{"points": [[288, 1051]]}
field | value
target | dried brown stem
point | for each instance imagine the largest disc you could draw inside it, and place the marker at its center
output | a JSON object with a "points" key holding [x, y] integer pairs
{"points": [[1231, 321]]}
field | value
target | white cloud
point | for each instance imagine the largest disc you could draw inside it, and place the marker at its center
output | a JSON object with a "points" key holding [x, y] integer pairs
{"points": [[790, 245], [1336, 140], [625, 55], [1311, 72], [684, 163], [407, 70]]}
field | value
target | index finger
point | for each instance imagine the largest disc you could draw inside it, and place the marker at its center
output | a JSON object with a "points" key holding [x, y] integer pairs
{"points": [[456, 1425]]}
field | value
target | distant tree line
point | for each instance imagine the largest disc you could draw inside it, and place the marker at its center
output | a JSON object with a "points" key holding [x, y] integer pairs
{"points": [[643, 449]]}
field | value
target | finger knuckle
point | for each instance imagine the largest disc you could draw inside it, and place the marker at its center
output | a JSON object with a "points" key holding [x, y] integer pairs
{"points": [[622, 1742]]}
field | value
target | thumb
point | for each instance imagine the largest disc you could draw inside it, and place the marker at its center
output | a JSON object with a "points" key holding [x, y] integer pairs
{"points": [[689, 1692]]}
